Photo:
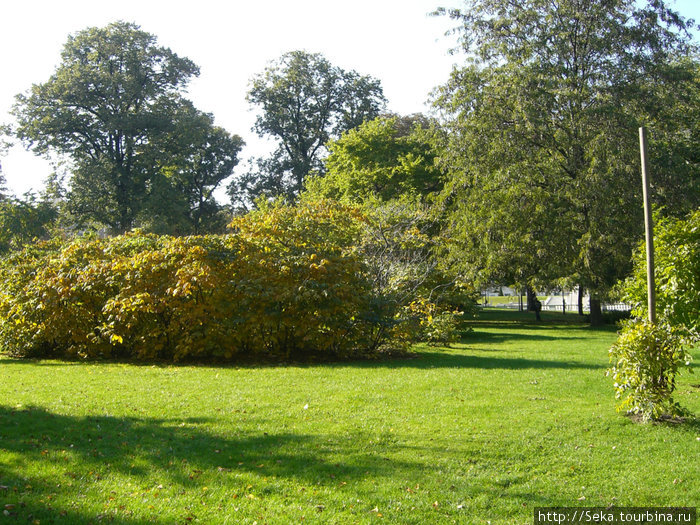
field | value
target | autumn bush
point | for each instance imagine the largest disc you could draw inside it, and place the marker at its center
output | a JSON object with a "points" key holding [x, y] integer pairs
{"points": [[288, 282]]}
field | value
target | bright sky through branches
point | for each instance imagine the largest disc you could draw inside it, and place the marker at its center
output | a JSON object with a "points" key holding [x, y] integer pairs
{"points": [[393, 40]]}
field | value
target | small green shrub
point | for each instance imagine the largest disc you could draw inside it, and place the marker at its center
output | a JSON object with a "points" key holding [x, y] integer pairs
{"points": [[645, 360]]}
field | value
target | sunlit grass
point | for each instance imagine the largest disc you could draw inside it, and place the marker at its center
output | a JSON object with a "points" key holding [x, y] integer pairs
{"points": [[519, 415]]}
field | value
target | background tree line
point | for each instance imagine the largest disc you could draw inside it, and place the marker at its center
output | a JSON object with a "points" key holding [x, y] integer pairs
{"points": [[527, 174]]}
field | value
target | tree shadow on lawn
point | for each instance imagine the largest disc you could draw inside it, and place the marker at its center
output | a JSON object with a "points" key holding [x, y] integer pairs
{"points": [[177, 452], [535, 326], [500, 336], [39, 361], [436, 359], [79, 454], [421, 360]]}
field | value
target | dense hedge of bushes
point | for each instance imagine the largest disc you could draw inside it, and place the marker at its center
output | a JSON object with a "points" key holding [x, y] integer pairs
{"points": [[288, 282]]}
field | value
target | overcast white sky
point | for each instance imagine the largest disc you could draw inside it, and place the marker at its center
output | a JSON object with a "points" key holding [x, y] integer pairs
{"points": [[393, 40]]}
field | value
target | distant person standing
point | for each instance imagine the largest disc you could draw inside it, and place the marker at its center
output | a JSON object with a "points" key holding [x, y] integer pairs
{"points": [[537, 306]]}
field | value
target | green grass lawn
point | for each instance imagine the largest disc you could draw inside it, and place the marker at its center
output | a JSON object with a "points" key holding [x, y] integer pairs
{"points": [[517, 416], [497, 300]]}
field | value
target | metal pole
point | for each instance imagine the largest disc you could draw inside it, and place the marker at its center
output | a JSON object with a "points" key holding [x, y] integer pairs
{"points": [[648, 227]]}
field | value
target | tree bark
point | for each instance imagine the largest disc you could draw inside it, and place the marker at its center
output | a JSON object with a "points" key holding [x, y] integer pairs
{"points": [[580, 299], [596, 312], [530, 299], [533, 304]]}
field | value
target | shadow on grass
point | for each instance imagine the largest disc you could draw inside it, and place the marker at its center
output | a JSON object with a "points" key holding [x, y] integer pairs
{"points": [[544, 326], [688, 424], [427, 360], [497, 337], [77, 456], [182, 454], [421, 360], [5, 360], [513, 318]]}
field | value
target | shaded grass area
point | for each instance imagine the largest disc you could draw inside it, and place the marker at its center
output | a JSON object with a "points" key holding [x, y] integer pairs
{"points": [[518, 415]]}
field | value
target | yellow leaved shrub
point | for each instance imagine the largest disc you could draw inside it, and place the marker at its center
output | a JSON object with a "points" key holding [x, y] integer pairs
{"points": [[284, 284], [288, 282]]}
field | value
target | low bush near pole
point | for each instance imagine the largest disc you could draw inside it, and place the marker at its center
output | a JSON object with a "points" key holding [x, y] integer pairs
{"points": [[645, 360]]}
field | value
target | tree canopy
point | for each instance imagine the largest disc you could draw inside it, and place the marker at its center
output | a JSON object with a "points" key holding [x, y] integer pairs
{"points": [[108, 107], [383, 158], [542, 126], [199, 157], [305, 101]]}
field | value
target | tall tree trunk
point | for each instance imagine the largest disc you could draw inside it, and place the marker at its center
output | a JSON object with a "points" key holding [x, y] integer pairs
{"points": [[531, 296], [580, 299], [520, 299], [596, 312], [533, 304]]}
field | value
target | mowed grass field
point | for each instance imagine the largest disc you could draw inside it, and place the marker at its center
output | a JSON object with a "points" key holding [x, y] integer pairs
{"points": [[519, 415]]}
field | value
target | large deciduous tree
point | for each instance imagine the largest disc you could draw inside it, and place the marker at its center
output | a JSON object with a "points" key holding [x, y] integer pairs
{"points": [[543, 134], [305, 101], [110, 105]]}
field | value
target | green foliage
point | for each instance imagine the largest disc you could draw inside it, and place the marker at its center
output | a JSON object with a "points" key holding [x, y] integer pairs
{"points": [[305, 101], [542, 135], [201, 156], [381, 158], [403, 248], [646, 358], [645, 361], [114, 109], [22, 220], [387, 167], [677, 273]]}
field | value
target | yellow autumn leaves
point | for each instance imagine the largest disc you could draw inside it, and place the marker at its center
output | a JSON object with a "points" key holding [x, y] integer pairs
{"points": [[286, 283]]}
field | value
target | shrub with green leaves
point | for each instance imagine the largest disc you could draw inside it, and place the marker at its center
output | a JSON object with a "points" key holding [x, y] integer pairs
{"points": [[677, 273], [645, 360]]}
